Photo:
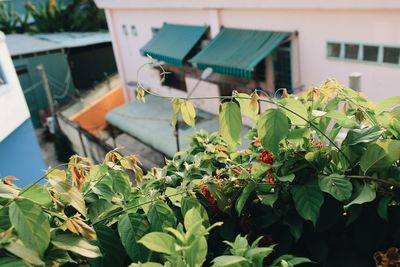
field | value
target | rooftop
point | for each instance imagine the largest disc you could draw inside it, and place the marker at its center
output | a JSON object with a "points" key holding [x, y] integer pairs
{"points": [[21, 44]]}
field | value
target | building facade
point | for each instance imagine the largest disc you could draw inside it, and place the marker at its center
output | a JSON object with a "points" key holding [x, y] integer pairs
{"points": [[19, 150], [325, 39]]}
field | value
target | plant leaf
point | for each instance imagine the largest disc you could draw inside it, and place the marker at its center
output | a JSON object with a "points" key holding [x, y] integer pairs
{"points": [[132, 227], [176, 107], [308, 200], [342, 119], [38, 194], [121, 183], [366, 135], [297, 107], [21, 251], [244, 196], [366, 194], [272, 127], [381, 154], [387, 103], [159, 242], [230, 123], [336, 185], [161, 216], [31, 224], [76, 245], [188, 113], [228, 260]]}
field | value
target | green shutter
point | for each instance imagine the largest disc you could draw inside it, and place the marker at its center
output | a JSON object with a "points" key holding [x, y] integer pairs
{"points": [[237, 52], [173, 43]]}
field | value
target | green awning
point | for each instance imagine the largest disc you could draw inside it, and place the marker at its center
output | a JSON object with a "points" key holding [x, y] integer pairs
{"points": [[236, 52], [173, 43]]}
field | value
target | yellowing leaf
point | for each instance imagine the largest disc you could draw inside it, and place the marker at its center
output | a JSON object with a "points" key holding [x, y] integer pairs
{"points": [[188, 113], [248, 104], [285, 93], [230, 123], [176, 107], [140, 94], [254, 102]]}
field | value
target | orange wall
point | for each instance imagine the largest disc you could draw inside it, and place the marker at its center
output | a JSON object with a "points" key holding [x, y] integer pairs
{"points": [[93, 117]]}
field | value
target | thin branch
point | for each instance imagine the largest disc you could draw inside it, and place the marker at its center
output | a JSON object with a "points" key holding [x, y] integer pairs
{"points": [[378, 180]]}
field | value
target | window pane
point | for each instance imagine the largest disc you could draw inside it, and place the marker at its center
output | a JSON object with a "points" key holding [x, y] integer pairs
{"points": [[391, 55], [2, 78], [333, 50], [351, 51], [370, 53]]}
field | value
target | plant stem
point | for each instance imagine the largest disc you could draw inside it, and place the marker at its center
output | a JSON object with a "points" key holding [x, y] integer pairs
{"points": [[41, 178], [136, 206], [378, 180]]}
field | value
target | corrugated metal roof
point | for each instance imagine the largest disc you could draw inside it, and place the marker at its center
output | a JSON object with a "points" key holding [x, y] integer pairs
{"points": [[21, 44], [76, 39], [150, 123]]}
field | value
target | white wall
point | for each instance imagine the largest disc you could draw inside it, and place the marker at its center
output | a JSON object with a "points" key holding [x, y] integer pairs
{"points": [[13, 108], [315, 27]]}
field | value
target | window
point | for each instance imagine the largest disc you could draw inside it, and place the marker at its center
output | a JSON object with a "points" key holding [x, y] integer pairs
{"points": [[334, 50], [370, 53], [2, 78], [154, 30], [175, 79], [351, 51], [391, 55]]}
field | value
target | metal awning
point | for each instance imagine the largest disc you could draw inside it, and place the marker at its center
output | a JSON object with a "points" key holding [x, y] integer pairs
{"points": [[173, 43], [237, 52]]}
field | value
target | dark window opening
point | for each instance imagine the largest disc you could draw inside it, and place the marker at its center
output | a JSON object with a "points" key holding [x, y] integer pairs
{"points": [[175, 79], [334, 50], [21, 70], [351, 51], [370, 53], [391, 55], [283, 69]]}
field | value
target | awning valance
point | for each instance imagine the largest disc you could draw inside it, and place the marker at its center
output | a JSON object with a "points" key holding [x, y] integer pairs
{"points": [[173, 43], [237, 51]]}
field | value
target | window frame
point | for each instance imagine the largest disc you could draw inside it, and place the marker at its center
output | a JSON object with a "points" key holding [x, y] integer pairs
{"points": [[360, 53]]}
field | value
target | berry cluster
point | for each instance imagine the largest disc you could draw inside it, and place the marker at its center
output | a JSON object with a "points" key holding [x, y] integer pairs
{"points": [[212, 202], [268, 158]]}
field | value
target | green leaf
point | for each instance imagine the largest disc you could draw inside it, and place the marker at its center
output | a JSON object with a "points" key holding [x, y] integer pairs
{"points": [[259, 169], [342, 119], [173, 195], [188, 113], [297, 107], [380, 155], [197, 254], [366, 194], [121, 183], [12, 262], [76, 245], [244, 196], [289, 260], [4, 218], [110, 246], [365, 135], [21, 251], [269, 199], [176, 107], [336, 185], [230, 123], [103, 191], [229, 260], [132, 227], [146, 264], [159, 242], [161, 216], [387, 104], [272, 127], [31, 224], [286, 178], [220, 197], [38, 194], [257, 255], [191, 218], [308, 200], [295, 226], [188, 203]]}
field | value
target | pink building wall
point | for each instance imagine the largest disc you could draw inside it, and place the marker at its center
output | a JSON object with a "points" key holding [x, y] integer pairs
{"points": [[315, 26]]}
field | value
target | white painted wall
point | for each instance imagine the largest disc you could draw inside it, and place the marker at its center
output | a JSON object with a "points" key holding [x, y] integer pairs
{"points": [[368, 21], [13, 108]]}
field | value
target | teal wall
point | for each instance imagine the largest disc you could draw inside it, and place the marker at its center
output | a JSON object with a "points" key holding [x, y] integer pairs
{"points": [[56, 66], [20, 155]]}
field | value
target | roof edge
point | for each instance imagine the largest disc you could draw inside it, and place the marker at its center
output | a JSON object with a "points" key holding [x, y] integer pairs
{"points": [[250, 4]]}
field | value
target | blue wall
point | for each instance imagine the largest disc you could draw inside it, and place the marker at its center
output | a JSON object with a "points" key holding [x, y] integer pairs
{"points": [[20, 155]]}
